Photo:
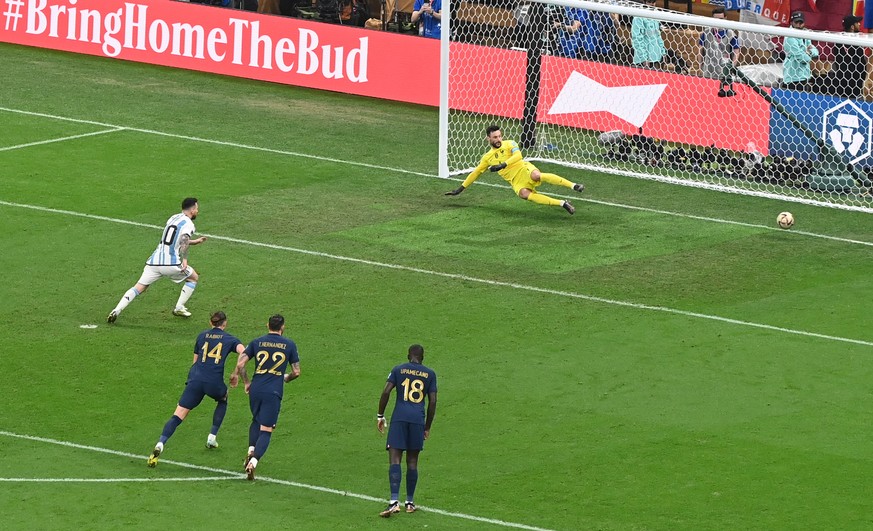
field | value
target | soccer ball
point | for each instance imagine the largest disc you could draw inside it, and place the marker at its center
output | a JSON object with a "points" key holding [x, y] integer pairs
{"points": [[785, 220]]}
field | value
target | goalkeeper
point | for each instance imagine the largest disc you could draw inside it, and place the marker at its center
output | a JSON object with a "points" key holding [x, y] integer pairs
{"points": [[505, 158]]}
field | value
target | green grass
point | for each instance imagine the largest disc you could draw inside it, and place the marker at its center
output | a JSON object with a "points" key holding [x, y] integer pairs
{"points": [[664, 359]]}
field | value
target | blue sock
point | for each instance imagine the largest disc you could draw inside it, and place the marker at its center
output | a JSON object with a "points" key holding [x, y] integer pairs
{"points": [[169, 428], [262, 444], [411, 481], [394, 476], [218, 416], [254, 432]]}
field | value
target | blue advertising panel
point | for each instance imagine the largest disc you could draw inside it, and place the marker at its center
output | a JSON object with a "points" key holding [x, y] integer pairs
{"points": [[845, 125]]}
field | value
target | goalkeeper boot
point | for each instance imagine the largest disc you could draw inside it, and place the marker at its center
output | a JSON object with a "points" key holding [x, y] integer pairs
{"points": [[579, 187], [569, 207], [153, 459], [393, 508]]}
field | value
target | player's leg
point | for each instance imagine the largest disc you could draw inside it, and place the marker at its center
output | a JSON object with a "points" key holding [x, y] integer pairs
{"points": [[217, 415], [414, 445], [254, 428], [190, 284], [268, 415], [543, 199], [411, 478], [555, 179], [189, 397], [525, 187], [395, 446], [149, 275]]}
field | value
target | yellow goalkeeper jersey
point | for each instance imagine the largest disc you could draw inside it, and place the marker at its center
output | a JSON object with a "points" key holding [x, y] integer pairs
{"points": [[508, 152]]}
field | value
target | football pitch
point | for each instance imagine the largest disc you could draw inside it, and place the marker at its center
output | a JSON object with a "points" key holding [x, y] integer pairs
{"points": [[667, 358]]}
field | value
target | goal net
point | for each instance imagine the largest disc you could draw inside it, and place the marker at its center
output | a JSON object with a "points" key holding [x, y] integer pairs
{"points": [[627, 88]]}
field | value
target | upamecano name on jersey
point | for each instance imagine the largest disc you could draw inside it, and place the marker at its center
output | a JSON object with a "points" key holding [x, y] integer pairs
{"points": [[413, 372]]}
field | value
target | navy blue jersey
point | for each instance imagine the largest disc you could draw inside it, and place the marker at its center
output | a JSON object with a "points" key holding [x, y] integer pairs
{"points": [[272, 354], [413, 382], [212, 349]]}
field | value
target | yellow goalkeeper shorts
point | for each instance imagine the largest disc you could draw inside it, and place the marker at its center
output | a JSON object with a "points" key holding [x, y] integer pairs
{"points": [[520, 178]]}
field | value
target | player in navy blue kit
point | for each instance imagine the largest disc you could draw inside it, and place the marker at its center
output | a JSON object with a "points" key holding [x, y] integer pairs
{"points": [[409, 425], [272, 353], [205, 378]]}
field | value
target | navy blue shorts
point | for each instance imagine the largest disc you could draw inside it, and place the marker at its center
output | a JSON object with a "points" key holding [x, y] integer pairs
{"points": [[405, 436], [195, 391], [265, 408]]}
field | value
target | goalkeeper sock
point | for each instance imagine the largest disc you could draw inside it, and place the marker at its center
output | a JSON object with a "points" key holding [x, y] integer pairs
{"points": [[542, 199], [557, 180]]}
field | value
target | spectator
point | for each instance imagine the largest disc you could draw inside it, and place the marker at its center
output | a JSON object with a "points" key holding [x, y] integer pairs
{"points": [[569, 28], [599, 36], [646, 39], [719, 48], [427, 14], [799, 52], [849, 70]]}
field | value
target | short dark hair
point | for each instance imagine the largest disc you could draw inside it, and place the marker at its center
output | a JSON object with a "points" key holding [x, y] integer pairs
{"points": [[188, 202], [218, 318], [416, 351], [718, 11], [276, 322], [491, 128]]}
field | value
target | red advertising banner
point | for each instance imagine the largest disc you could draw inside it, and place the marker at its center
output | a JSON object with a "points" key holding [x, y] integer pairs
{"points": [[601, 97], [230, 42]]}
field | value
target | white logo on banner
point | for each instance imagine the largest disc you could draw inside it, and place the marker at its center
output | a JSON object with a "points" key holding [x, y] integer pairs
{"points": [[849, 130], [582, 94]]}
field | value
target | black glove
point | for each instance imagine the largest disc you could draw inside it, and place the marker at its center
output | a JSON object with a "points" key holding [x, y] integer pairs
{"points": [[457, 190], [497, 167]]}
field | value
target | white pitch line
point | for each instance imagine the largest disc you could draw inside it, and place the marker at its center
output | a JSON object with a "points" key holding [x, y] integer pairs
{"points": [[113, 480], [458, 276], [62, 139], [422, 174], [237, 475]]}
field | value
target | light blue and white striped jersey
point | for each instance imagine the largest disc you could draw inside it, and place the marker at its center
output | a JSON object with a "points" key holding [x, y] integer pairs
{"points": [[167, 252]]}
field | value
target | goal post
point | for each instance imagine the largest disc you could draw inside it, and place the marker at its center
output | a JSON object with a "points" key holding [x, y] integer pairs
{"points": [[624, 88]]}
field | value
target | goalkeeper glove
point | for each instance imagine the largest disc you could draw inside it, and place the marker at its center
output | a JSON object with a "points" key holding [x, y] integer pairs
{"points": [[497, 167], [457, 190]]}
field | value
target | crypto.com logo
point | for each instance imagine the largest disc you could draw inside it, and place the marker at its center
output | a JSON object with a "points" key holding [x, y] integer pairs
{"points": [[849, 130]]}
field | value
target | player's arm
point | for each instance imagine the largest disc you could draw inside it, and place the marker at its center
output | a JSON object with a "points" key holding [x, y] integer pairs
{"points": [[234, 375], [195, 359], [294, 374], [383, 403], [479, 170], [240, 369], [431, 412], [515, 157], [197, 241]]}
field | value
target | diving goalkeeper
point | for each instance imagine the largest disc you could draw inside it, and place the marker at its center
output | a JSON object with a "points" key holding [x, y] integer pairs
{"points": [[505, 158]]}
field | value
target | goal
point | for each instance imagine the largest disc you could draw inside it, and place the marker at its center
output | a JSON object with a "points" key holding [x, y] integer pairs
{"points": [[627, 88]]}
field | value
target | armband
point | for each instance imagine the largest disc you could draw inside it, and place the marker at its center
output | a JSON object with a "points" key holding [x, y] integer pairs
{"points": [[379, 417]]}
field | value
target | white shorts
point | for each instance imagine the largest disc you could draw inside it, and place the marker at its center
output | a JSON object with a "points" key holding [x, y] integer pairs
{"points": [[175, 273]]}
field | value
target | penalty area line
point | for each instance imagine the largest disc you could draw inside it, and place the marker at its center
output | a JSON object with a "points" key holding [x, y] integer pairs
{"points": [[62, 139], [477, 280], [228, 474], [114, 128], [114, 480]]}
